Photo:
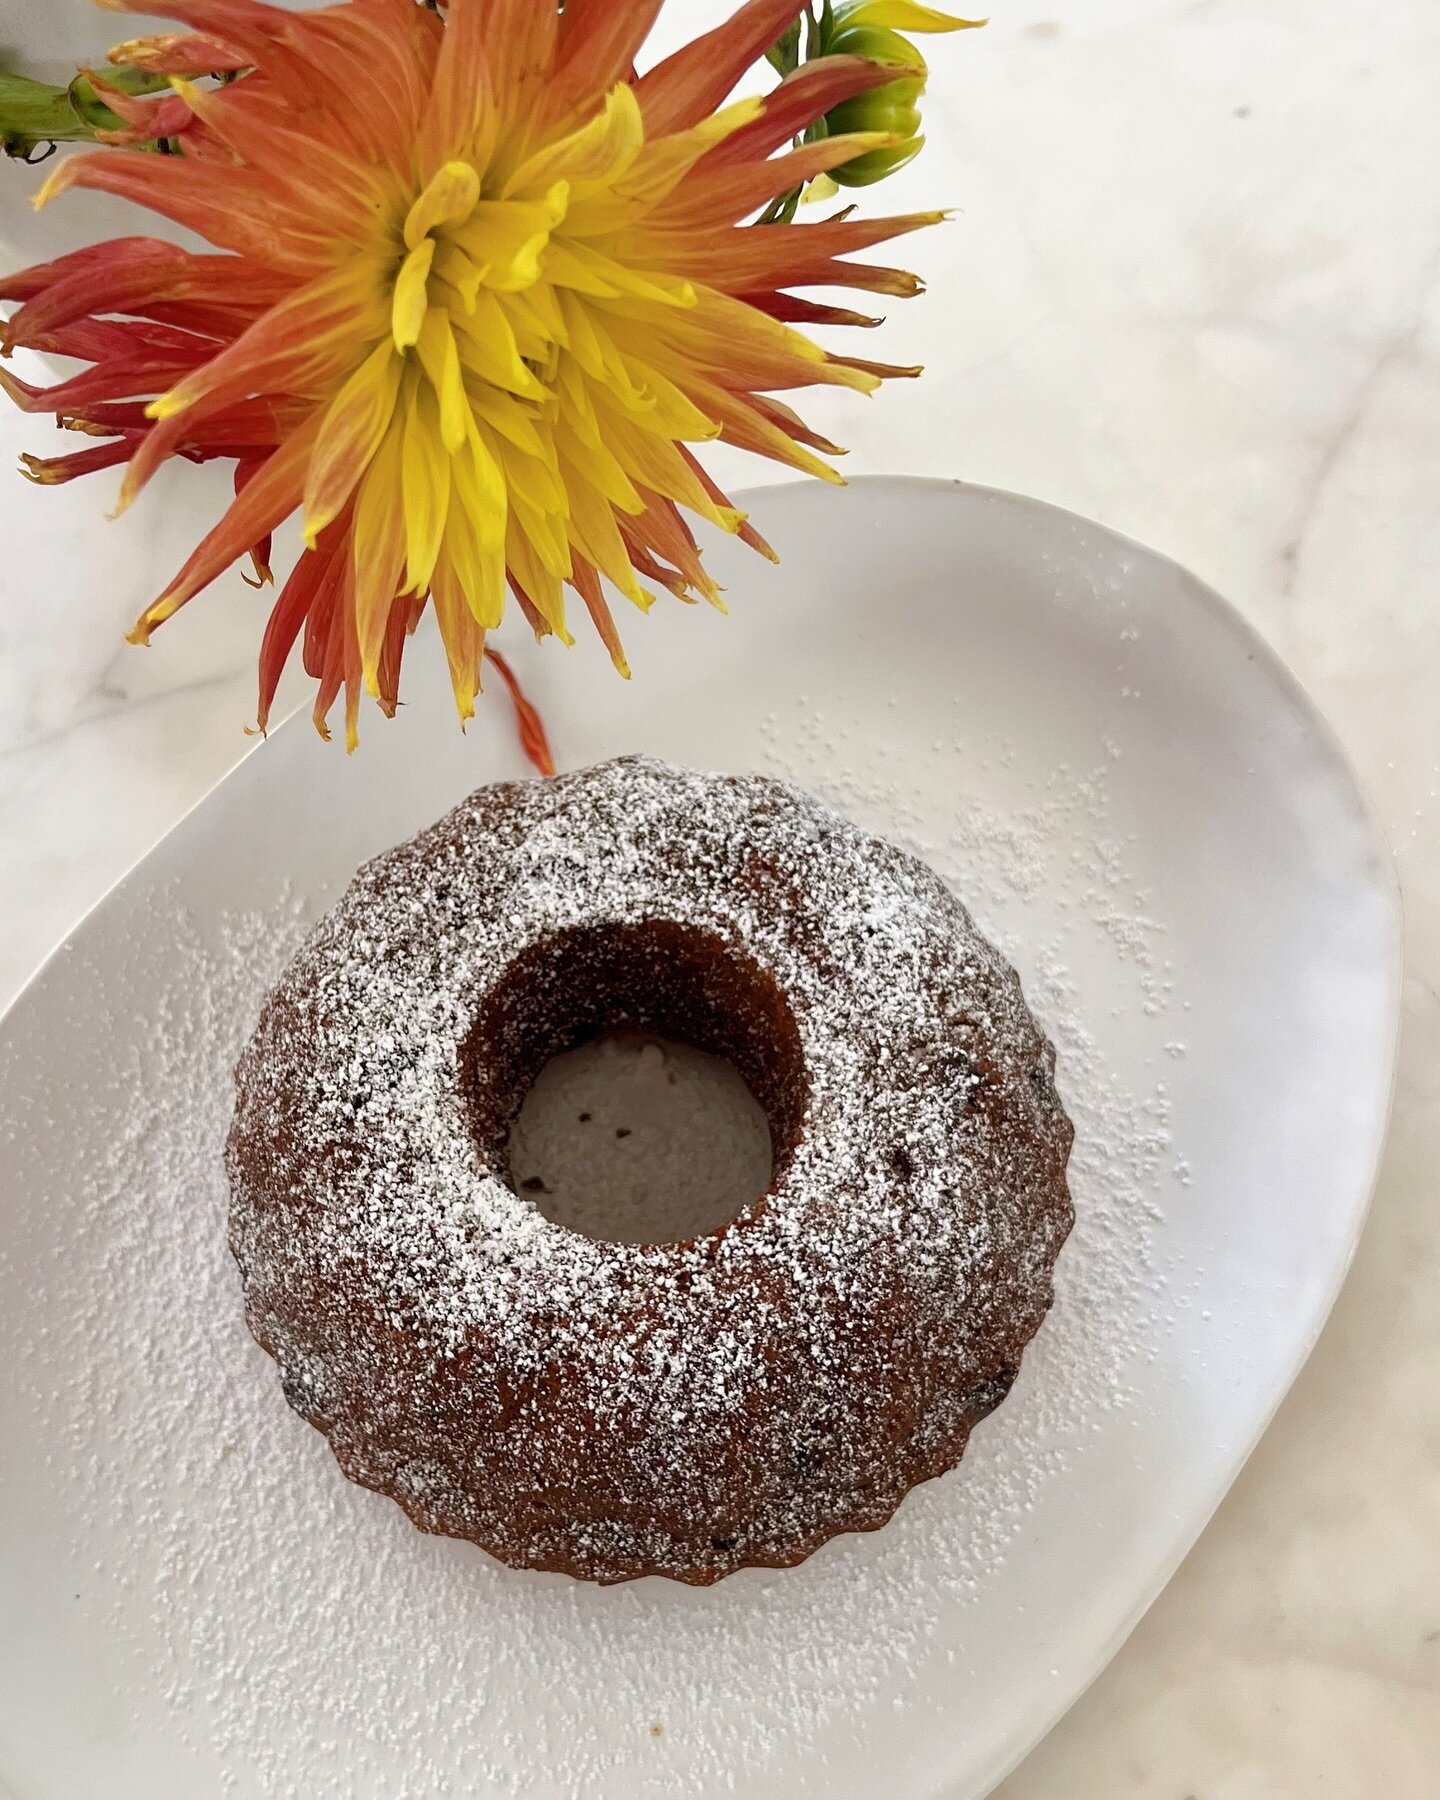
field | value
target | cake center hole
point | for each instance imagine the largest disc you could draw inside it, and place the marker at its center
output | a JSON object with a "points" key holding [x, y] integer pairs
{"points": [[638, 1080], [635, 1138]]}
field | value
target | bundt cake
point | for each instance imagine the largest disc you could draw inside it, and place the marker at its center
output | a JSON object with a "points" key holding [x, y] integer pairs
{"points": [[614, 1409]]}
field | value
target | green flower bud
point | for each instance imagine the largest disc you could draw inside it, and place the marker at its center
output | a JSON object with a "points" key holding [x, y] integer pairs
{"points": [[872, 29]]}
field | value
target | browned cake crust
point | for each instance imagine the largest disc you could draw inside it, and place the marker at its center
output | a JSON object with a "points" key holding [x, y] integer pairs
{"points": [[613, 1410]]}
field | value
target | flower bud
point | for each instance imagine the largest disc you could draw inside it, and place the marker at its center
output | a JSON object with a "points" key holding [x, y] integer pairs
{"points": [[872, 29]]}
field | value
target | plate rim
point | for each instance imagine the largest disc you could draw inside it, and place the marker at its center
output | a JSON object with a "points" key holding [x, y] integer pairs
{"points": [[974, 1783], [1227, 614]]}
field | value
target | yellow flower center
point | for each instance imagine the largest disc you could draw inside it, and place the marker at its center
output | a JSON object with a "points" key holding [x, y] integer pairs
{"points": [[490, 432]]}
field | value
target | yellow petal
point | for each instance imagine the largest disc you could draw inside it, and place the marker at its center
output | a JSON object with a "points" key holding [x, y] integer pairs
{"points": [[505, 415], [907, 15], [595, 534], [549, 541], [600, 467], [609, 277], [450, 197], [488, 349], [537, 312], [480, 492], [379, 550], [412, 298], [455, 269], [426, 489], [464, 641], [659, 169], [543, 585], [534, 480], [440, 359], [567, 268], [602, 150], [670, 413], [479, 573], [596, 352], [655, 461], [350, 434], [506, 238]]}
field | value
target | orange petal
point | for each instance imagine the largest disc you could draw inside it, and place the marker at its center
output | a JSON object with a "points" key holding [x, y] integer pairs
{"points": [[461, 95], [315, 332], [882, 371], [143, 276], [402, 621], [307, 584], [599, 41], [801, 98], [720, 196], [230, 207], [176, 53], [587, 584], [689, 85], [520, 39], [747, 532], [315, 175], [373, 71], [534, 618], [533, 739], [268, 500], [790, 422], [663, 529], [747, 256], [331, 598], [746, 428], [53, 470], [792, 310]]}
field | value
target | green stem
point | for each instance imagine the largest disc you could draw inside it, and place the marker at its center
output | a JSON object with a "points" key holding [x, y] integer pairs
{"points": [[34, 114], [782, 209]]}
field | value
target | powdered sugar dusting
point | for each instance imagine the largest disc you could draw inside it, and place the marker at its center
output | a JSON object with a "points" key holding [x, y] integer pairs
{"points": [[319, 1647], [619, 1409], [1040, 876]]}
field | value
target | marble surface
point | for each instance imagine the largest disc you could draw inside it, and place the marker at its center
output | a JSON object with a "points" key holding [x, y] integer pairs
{"points": [[1193, 291]]}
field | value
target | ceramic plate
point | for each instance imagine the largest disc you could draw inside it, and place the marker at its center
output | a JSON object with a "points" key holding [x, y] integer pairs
{"points": [[1135, 800]]}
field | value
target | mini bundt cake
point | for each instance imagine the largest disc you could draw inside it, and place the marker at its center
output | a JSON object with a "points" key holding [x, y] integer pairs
{"points": [[611, 1409]]}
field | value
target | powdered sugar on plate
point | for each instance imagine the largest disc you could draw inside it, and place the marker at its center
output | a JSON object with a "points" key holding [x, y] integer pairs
{"points": [[322, 1648]]}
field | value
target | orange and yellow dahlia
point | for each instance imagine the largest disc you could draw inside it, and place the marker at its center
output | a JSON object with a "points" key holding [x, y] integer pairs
{"points": [[477, 289]]}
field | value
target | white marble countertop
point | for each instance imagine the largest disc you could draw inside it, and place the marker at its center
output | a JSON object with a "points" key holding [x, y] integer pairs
{"points": [[1194, 291]]}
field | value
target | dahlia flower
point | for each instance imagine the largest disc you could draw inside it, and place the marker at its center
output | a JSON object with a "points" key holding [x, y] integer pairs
{"points": [[477, 289]]}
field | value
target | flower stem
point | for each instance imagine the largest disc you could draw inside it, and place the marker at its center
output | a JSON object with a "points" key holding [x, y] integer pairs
{"points": [[35, 116]]}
